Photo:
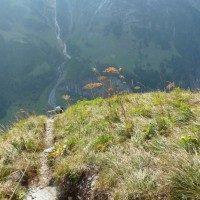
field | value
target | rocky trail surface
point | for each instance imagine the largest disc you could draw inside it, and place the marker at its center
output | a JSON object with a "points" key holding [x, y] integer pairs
{"points": [[42, 190]]}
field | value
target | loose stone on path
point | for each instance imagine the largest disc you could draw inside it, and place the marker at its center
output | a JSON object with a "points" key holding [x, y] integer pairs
{"points": [[47, 193]]}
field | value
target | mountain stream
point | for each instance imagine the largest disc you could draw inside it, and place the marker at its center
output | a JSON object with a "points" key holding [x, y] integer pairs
{"points": [[51, 12]]}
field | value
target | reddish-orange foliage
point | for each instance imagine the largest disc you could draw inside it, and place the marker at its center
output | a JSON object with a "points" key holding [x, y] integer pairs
{"points": [[92, 85], [102, 78], [112, 70], [66, 97], [170, 86]]}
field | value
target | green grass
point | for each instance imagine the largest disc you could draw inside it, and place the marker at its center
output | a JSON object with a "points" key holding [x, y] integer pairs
{"points": [[152, 153], [120, 52], [17, 148], [138, 146]]}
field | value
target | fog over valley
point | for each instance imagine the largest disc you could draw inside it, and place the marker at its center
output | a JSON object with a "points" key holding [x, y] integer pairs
{"points": [[48, 48]]}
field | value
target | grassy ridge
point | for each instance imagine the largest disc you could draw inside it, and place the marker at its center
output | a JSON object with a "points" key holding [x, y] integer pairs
{"points": [[133, 146], [143, 146]]}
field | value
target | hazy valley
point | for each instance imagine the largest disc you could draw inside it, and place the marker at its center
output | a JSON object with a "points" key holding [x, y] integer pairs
{"points": [[154, 41]]}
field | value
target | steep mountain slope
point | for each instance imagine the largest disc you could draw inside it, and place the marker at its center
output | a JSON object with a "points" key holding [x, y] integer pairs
{"points": [[133, 146], [154, 40], [28, 53]]}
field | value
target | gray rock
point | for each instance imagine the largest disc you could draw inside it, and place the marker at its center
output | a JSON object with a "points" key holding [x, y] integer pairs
{"points": [[47, 193]]}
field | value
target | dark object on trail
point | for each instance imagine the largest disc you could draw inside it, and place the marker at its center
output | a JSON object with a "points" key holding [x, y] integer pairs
{"points": [[59, 109]]}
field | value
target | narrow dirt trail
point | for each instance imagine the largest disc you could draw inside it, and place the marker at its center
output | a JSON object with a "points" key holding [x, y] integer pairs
{"points": [[43, 191], [45, 172]]}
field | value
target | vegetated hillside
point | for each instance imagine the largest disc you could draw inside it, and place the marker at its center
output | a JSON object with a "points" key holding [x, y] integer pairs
{"points": [[154, 40], [133, 146]]}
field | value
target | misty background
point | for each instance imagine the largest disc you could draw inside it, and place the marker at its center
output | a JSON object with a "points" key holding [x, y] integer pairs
{"points": [[48, 47]]}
